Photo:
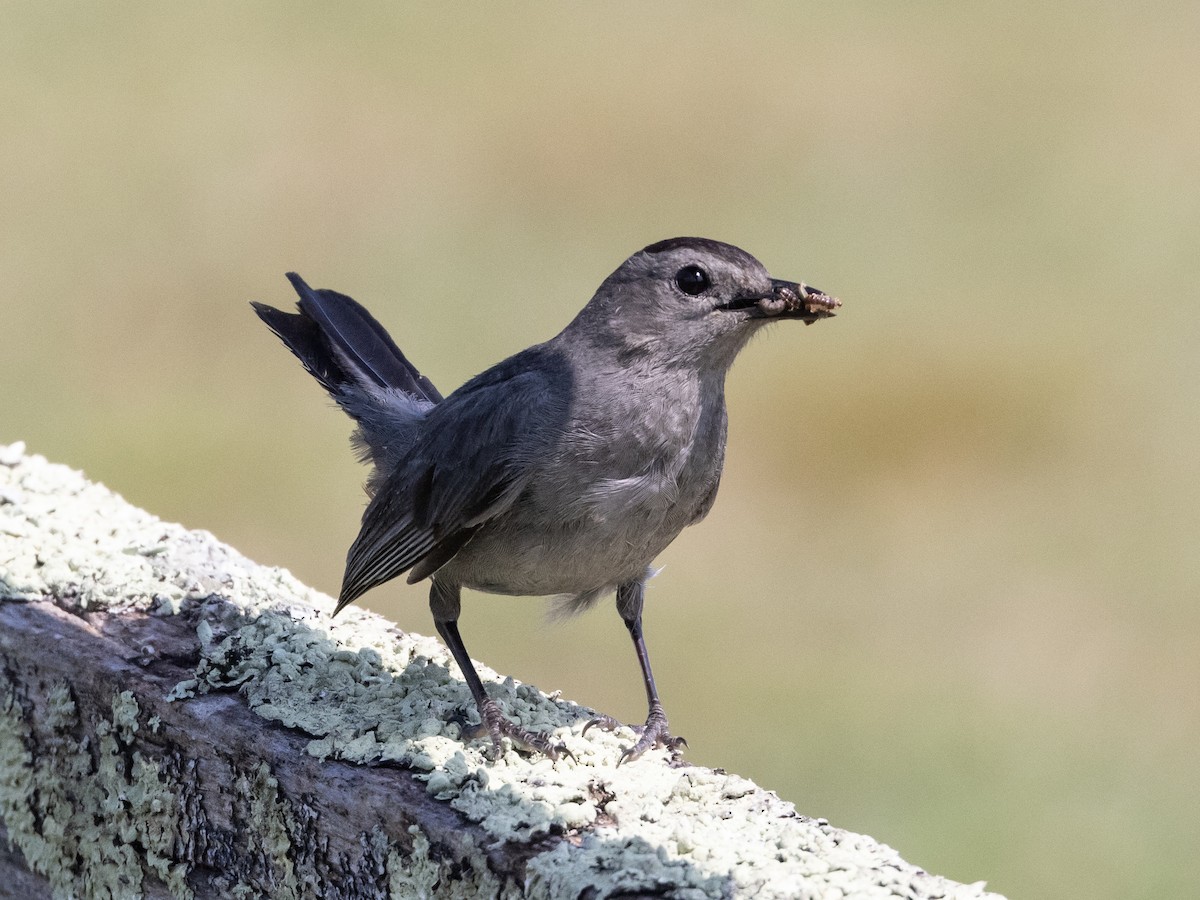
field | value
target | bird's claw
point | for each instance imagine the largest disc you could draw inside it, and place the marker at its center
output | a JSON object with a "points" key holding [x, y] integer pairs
{"points": [[606, 723], [655, 733], [495, 725]]}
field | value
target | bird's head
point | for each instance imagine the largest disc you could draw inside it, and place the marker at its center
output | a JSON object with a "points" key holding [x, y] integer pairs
{"points": [[694, 301]]}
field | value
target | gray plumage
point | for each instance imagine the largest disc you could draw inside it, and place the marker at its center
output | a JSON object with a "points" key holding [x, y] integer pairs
{"points": [[563, 470]]}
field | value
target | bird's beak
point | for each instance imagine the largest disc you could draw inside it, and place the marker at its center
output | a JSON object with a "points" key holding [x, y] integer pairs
{"points": [[795, 300]]}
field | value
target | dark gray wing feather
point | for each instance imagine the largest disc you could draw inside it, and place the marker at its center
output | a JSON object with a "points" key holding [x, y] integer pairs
{"points": [[476, 453]]}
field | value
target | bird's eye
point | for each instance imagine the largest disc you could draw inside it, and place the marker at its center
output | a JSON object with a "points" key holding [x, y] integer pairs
{"points": [[692, 280]]}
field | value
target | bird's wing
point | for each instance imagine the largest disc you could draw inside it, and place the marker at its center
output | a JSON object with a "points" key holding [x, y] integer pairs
{"points": [[476, 454]]}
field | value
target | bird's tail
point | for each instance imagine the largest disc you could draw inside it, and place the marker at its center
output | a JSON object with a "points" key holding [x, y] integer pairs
{"points": [[342, 345]]}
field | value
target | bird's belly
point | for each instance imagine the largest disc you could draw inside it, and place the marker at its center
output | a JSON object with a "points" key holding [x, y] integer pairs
{"points": [[524, 553]]}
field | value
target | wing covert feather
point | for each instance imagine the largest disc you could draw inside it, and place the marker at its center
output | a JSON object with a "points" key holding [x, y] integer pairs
{"points": [[477, 452]]}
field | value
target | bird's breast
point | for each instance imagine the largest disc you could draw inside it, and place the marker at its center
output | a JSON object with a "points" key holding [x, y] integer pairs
{"points": [[628, 474], [642, 454]]}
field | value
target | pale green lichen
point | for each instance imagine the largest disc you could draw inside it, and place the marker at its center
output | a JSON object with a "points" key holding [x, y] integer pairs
{"points": [[366, 692], [418, 875], [16, 774], [77, 814], [271, 821]]}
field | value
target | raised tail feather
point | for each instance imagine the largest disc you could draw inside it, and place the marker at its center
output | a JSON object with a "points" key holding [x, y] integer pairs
{"points": [[342, 346]]}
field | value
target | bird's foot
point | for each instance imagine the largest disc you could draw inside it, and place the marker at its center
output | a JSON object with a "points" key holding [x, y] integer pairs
{"points": [[496, 725], [655, 733]]}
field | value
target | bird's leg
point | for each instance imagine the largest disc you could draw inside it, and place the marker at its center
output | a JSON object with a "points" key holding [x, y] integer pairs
{"points": [[445, 603], [656, 732]]}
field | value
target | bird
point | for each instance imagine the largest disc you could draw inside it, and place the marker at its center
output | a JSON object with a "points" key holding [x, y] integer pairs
{"points": [[563, 470]]}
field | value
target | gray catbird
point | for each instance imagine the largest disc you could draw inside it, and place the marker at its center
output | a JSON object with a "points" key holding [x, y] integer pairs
{"points": [[564, 469]]}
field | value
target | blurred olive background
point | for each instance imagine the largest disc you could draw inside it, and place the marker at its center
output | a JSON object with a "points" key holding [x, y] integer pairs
{"points": [[948, 593]]}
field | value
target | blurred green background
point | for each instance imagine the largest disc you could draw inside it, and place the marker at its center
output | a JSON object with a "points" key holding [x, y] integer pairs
{"points": [[948, 593]]}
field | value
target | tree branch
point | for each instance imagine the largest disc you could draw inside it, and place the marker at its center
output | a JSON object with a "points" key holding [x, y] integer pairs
{"points": [[176, 721]]}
